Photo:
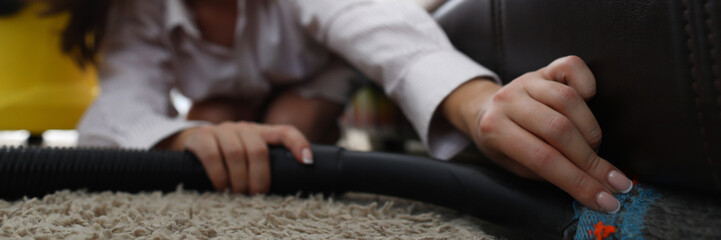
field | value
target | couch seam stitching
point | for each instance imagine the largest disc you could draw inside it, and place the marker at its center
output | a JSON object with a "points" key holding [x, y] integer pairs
{"points": [[694, 83], [715, 76]]}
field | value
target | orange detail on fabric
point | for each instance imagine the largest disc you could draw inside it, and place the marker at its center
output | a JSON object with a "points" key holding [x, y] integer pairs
{"points": [[634, 182], [601, 231]]}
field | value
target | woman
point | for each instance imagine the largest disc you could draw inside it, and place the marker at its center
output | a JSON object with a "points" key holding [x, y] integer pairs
{"points": [[230, 57]]}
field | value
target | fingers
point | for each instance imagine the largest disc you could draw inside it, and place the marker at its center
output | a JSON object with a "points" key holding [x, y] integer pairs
{"points": [[559, 132], [568, 102], [258, 162], [291, 138], [519, 169], [540, 121], [512, 166], [234, 153], [573, 72], [548, 163], [203, 144]]}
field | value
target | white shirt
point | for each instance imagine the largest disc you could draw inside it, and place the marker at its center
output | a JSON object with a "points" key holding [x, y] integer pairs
{"points": [[153, 46]]}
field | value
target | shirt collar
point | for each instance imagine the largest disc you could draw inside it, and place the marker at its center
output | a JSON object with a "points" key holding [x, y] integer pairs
{"points": [[177, 15]]}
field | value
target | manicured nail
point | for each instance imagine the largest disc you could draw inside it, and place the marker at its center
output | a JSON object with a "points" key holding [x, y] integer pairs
{"points": [[607, 202], [307, 156], [619, 181]]}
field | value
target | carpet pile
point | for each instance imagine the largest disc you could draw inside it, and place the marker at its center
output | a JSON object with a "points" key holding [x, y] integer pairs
{"points": [[186, 214]]}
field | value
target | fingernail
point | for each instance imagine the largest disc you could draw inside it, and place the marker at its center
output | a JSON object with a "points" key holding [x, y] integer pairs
{"points": [[607, 202], [619, 181], [307, 156]]}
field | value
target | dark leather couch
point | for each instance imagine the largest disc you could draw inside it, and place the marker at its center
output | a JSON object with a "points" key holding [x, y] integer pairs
{"points": [[657, 64]]}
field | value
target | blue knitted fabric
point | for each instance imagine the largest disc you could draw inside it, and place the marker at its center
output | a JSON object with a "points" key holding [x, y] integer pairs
{"points": [[628, 220]]}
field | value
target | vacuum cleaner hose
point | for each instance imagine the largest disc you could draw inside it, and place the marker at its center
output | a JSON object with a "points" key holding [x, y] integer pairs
{"points": [[514, 203]]}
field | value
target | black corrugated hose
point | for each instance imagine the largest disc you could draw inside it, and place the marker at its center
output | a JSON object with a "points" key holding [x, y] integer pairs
{"points": [[534, 207]]}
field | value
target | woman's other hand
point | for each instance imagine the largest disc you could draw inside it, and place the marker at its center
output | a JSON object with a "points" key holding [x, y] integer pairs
{"points": [[235, 154]]}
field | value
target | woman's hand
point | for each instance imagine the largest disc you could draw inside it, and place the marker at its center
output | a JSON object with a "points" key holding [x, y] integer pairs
{"points": [[235, 155], [539, 126]]}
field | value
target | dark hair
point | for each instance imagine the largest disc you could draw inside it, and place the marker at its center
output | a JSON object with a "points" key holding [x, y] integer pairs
{"points": [[10, 7], [83, 35]]}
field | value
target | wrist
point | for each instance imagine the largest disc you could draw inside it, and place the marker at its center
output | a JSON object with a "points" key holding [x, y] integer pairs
{"points": [[466, 104]]}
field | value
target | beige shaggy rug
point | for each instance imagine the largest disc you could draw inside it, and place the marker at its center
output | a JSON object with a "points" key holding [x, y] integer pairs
{"points": [[190, 215]]}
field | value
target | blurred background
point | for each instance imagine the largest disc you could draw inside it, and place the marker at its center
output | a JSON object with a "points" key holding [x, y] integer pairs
{"points": [[43, 93]]}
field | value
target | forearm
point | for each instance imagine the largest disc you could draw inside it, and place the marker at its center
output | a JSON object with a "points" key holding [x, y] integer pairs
{"points": [[400, 47], [461, 107]]}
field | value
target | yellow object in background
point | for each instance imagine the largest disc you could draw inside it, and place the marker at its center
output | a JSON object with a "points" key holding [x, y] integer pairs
{"points": [[40, 87]]}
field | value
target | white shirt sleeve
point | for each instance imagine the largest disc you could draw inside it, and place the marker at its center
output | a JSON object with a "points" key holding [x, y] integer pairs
{"points": [[133, 109], [396, 43]]}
